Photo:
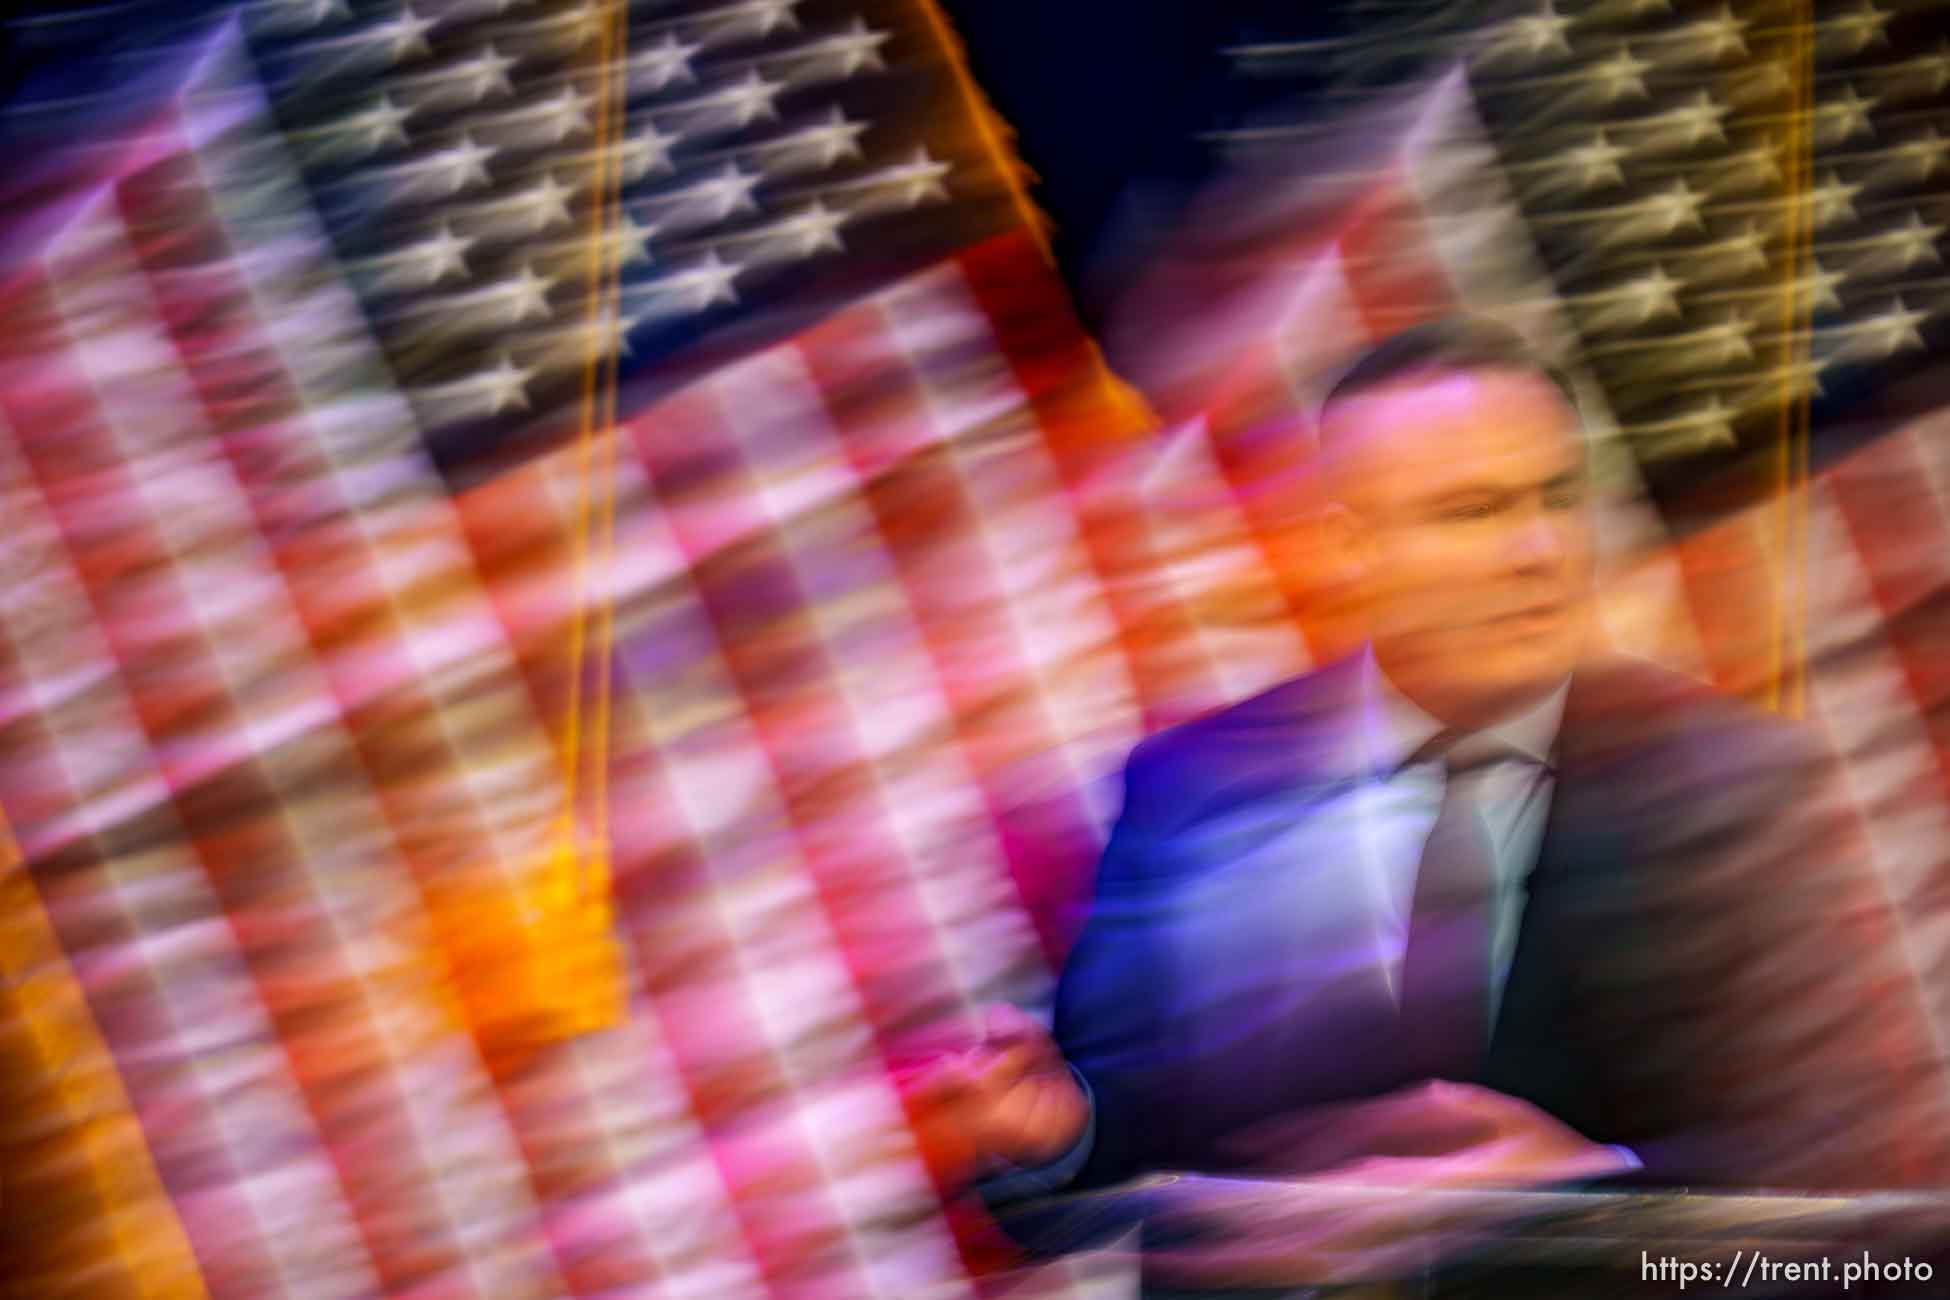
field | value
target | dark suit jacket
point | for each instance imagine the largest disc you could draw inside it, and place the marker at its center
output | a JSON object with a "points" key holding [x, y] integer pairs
{"points": [[1707, 969]]}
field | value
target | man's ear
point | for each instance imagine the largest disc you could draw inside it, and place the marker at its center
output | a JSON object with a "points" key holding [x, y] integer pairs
{"points": [[1321, 559], [1345, 542]]}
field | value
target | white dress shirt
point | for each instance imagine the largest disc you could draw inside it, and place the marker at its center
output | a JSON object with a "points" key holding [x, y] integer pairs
{"points": [[1396, 809]]}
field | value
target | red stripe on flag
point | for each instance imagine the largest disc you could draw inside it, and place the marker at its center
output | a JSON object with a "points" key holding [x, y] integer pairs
{"points": [[926, 513], [758, 614], [684, 953], [180, 1120], [187, 718], [1903, 546], [391, 739], [755, 597], [1728, 577], [1089, 425], [1390, 263]]}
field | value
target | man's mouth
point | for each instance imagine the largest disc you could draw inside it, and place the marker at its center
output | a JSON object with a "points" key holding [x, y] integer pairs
{"points": [[1540, 614]]}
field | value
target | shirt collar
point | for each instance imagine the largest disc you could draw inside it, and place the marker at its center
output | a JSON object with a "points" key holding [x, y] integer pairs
{"points": [[1395, 727]]}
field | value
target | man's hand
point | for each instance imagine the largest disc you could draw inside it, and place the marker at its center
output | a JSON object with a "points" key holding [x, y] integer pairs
{"points": [[1010, 1098], [1433, 1134], [1347, 1167]]}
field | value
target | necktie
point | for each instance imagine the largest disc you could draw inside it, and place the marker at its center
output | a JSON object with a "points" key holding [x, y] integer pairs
{"points": [[1446, 985]]}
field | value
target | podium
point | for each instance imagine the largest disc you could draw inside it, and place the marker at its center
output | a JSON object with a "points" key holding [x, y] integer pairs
{"points": [[1580, 1243]]}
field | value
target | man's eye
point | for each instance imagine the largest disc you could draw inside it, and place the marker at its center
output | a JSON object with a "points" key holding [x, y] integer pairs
{"points": [[1469, 510], [1564, 498]]}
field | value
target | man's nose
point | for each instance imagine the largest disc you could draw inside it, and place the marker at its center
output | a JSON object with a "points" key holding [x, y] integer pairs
{"points": [[1537, 541]]}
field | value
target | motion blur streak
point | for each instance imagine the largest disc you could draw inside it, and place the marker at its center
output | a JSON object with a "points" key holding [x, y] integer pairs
{"points": [[574, 590]]}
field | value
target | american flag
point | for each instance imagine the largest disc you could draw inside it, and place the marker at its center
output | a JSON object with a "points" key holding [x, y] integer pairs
{"points": [[453, 522], [486, 476], [736, 170]]}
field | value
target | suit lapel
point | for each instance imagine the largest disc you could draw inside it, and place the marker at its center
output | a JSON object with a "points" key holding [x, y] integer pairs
{"points": [[1302, 735]]}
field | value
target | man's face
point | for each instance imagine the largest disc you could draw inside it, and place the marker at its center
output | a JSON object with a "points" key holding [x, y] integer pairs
{"points": [[1464, 499]]}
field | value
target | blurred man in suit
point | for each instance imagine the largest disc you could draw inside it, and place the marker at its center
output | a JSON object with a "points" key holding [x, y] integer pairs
{"points": [[1626, 920]]}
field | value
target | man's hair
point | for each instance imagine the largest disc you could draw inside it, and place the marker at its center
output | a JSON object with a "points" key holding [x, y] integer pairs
{"points": [[1444, 345]]}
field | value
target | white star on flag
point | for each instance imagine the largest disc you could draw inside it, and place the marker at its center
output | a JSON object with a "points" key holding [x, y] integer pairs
{"points": [[1653, 295], [1527, 36], [748, 20], [1829, 202], [1704, 40], [1821, 287], [1758, 167], [899, 186], [1759, 84], [1896, 249], [641, 153], [1832, 200], [441, 174], [739, 104], [540, 122], [405, 35], [1651, 216], [569, 347], [1842, 118], [373, 49], [706, 201], [1727, 340], [496, 306], [1594, 163], [810, 148], [831, 58], [279, 17], [1728, 258], [541, 206], [811, 229], [624, 242], [1818, 287], [1915, 78], [1851, 33], [646, 151], [355, 135], [1798, 376], [689, 289], [1906, 162], [468, 82], [420, 265], [562, 32], [488, 392], [665, 63], [1875, 336], [1707, 425], [1619, 75], [526, 295], [1684, 126], [1714, 344]]}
